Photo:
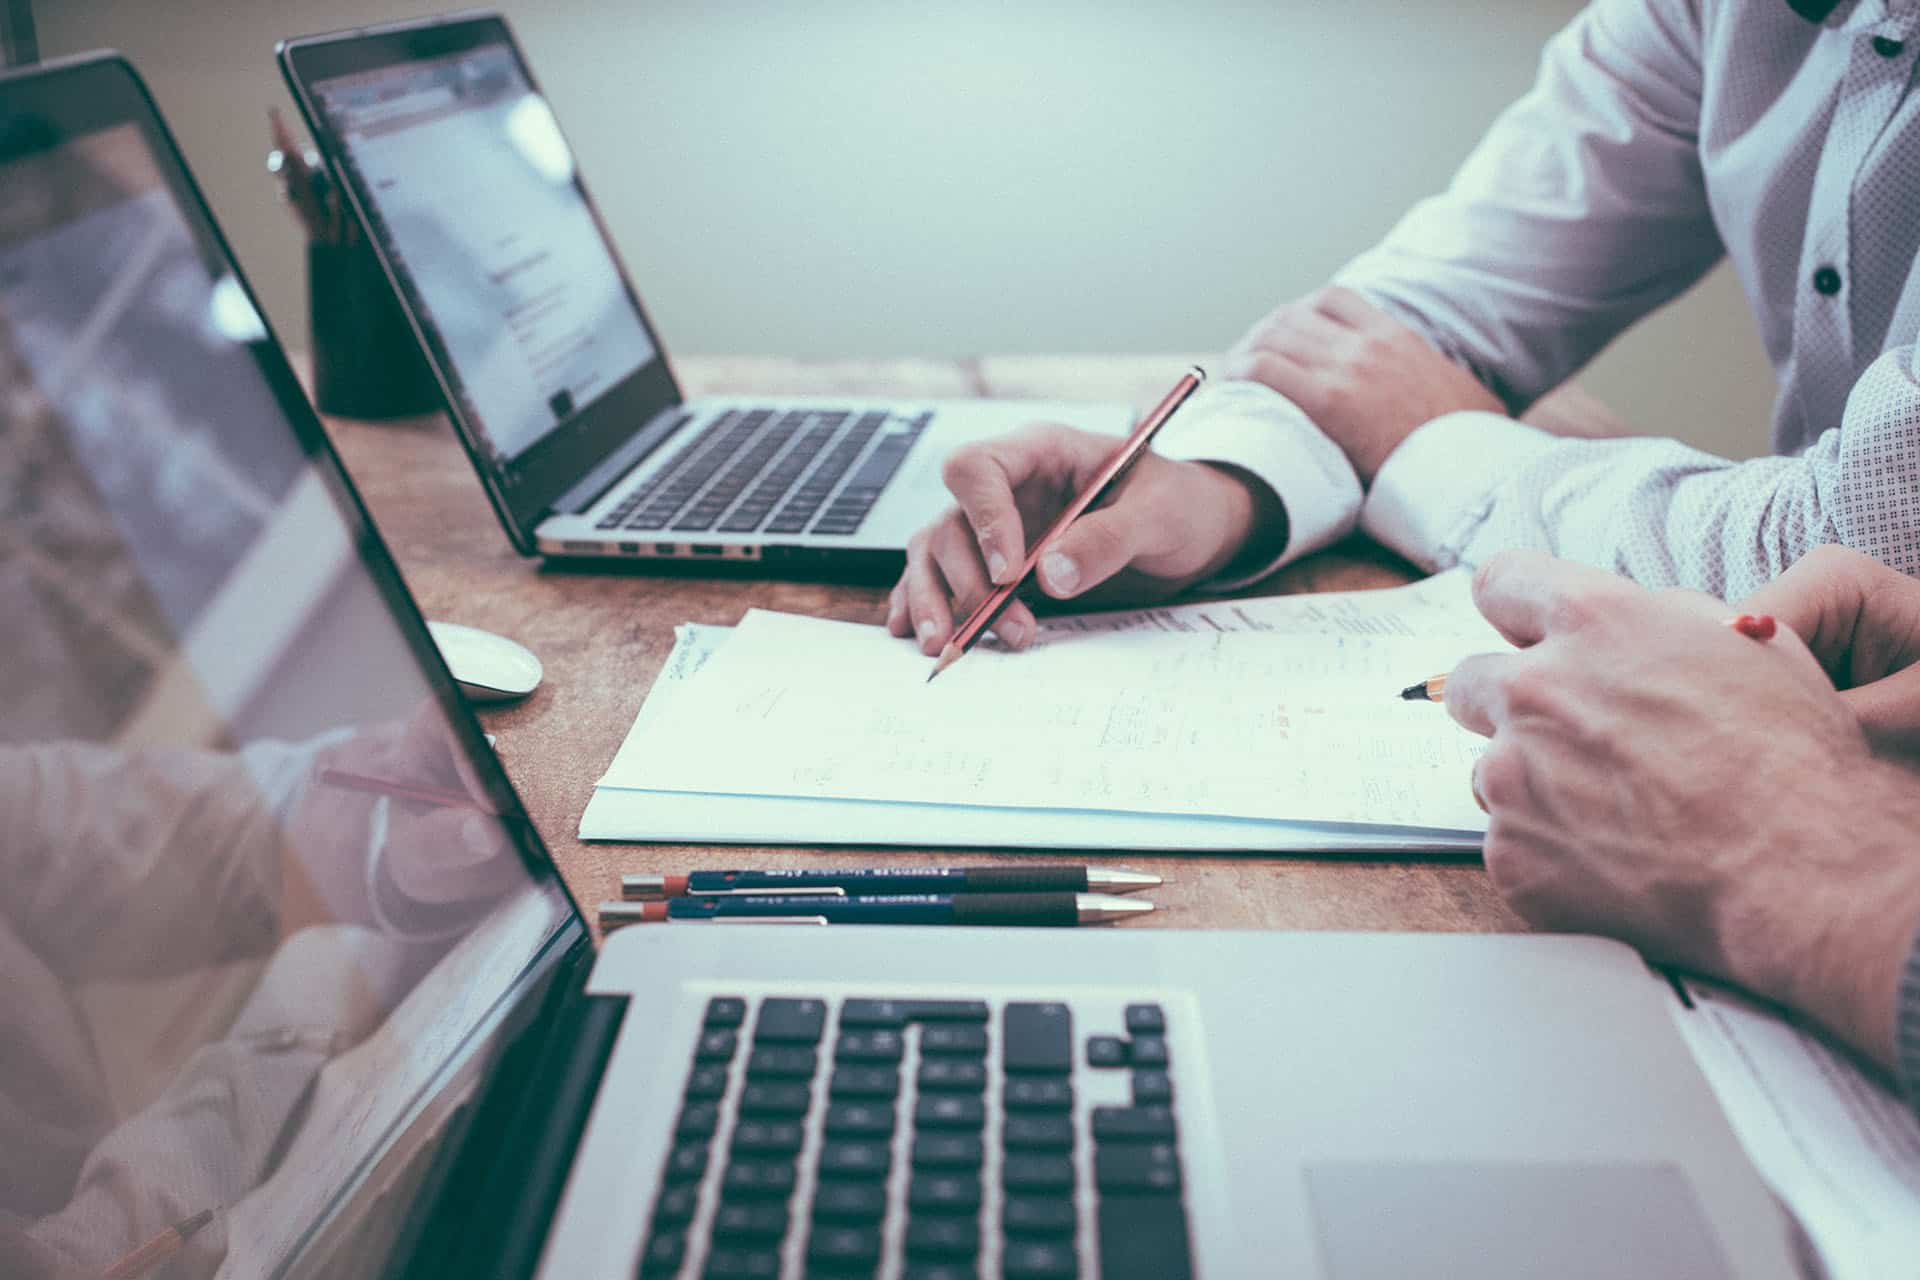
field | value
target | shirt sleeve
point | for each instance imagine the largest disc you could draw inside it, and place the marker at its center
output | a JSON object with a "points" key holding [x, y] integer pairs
{"points": [[1255, 429], [1469, 484], [1582, 209]]}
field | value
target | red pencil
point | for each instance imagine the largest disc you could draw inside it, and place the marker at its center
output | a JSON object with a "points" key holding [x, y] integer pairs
{"points": [[1108, 476]]}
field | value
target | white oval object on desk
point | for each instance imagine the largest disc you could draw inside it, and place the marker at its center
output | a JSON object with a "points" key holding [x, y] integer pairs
{"points": [[487, 667]]}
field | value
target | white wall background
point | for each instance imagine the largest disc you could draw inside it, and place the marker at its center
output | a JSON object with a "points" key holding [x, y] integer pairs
{"points": [[877, 177]]}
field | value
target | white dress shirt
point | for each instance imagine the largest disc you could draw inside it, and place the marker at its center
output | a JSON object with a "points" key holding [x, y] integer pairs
{"points": [[1660, 135]]}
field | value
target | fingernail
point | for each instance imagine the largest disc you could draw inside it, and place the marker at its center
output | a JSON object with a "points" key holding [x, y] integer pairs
{"points": [[926, 628], [1014, 633], [997, 566], [1062, 574]]}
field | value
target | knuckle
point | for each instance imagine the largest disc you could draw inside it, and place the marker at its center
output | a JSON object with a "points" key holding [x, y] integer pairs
{"points": [[1530, 692], [1501, 777]]}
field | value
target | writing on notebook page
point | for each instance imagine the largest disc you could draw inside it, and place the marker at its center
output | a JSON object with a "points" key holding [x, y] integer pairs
{"points": [[1297, 727]]}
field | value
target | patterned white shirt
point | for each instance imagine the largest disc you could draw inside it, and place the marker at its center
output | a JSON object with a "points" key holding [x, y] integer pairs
{"points": [[1660, 136]]}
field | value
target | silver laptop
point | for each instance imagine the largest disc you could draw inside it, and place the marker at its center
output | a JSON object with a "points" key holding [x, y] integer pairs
{"points": [[552, 372], [293, 987]]}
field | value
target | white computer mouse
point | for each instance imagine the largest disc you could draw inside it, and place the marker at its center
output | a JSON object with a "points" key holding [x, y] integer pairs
{"points": [[487, 667]]}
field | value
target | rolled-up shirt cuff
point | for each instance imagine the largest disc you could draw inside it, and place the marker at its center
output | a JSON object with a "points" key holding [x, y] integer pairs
{"points": [[1254, 428], [1906, 1028], [1437, 487]]}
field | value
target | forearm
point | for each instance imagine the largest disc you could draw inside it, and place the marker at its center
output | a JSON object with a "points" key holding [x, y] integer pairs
{"points": [[1466, 486]]}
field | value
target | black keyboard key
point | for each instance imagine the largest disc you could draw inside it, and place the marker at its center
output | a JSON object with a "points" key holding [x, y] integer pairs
{"points": [[1152, 1088], [1133, 1166], [766, 1138], [1038, 1037], [1043, 1094], [873, 1013], [940, 1271], [944, 1193], [687, 1162], [954, 1039], [948, 1010], [949, 1111], [749, 1221], [952, 1075], [859, 1120], [716, 1046], [1150, 1052], [743, 1264], [663, 1254], [1040, 1260], [1146, 1020], [1025, 1171], [942, 1235], [881, 1045], [781, 1062], [790, 1021], [726, 1011], [1037, 1133], [1132, 1124], [1039, 1216], [697, 1120], [1106, 1051], [708, 1081], [849, 1202], [864, 1082], [675, 1205], [839, 1247], [775, 1098], [757, 1180], [848, 1159], [947, 1151], [1143, 1238]]}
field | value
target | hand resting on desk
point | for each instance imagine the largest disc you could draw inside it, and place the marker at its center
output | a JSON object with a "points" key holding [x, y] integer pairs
{"points": [[1713, 800]]}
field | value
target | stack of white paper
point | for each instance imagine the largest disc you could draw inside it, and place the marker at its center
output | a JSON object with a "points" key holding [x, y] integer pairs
{"points": [[1263, 725]]}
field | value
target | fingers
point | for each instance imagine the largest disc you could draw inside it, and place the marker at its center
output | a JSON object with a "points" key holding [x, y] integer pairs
{"points": [[1528, 595], [944, 582], [1860, 617], [984, 478], [1889, 713], [1476, 694], [1091, 550], [1346, 307]]}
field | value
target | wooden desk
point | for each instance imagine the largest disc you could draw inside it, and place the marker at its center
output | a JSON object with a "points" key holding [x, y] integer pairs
{"points": [[603, 636]]}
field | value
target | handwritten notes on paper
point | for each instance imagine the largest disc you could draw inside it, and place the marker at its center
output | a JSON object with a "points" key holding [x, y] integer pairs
{"points": [[1275, 710]]}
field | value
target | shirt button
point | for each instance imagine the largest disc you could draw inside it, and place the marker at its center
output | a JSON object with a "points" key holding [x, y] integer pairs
{"points": [[1827, 281], [1887, 46]]}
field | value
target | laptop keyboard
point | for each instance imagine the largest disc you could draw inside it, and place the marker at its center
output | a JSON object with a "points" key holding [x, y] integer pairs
{"points": [[750, 469], [897, 1137]]}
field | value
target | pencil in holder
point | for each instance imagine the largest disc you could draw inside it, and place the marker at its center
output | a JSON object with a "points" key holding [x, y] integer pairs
{"points": [[366, 360]]}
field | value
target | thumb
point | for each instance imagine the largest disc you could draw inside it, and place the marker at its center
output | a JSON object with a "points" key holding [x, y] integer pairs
{"points": [[1091, 550], [1889, 712]]}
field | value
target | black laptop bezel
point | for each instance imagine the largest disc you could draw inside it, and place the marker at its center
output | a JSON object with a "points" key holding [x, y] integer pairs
{"points": [[524, 491], [45, 106]]}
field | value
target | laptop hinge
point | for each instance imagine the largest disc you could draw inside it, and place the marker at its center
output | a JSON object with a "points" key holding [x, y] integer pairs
{"points": [[594, 485], [495, 1204]]}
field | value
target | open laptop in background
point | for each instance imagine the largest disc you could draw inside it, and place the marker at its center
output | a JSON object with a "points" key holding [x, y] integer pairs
{"points": [[257, 984], [554, 377]]}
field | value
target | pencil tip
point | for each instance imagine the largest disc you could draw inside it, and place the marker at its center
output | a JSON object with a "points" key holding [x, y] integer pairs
{"points": [[948, 656], [190, 1225], [1414, 692]]}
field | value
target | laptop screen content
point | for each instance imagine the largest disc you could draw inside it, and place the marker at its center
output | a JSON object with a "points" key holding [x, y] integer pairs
{"points": [[256, 907], [474, 196]]}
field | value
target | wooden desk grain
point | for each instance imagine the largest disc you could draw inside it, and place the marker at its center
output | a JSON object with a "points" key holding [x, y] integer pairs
{"points": [[603, 636]]}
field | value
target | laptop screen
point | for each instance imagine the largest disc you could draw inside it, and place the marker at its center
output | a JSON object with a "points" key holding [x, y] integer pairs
{"points": [[264, 893], [473, 186]]}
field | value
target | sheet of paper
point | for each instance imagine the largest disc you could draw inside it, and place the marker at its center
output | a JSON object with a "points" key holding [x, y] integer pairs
{"points": [[1295, 726], [1837, 1146]]}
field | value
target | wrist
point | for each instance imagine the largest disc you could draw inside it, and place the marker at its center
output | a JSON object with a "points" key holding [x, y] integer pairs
{"points": [[1253, 529], [1845, 928]]}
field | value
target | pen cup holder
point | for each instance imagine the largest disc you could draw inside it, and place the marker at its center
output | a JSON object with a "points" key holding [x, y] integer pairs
{"points": [[366, 362]]}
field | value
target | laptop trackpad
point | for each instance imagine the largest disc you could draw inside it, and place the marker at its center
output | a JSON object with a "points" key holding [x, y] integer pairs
{"points": [[1495, 1222]]}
